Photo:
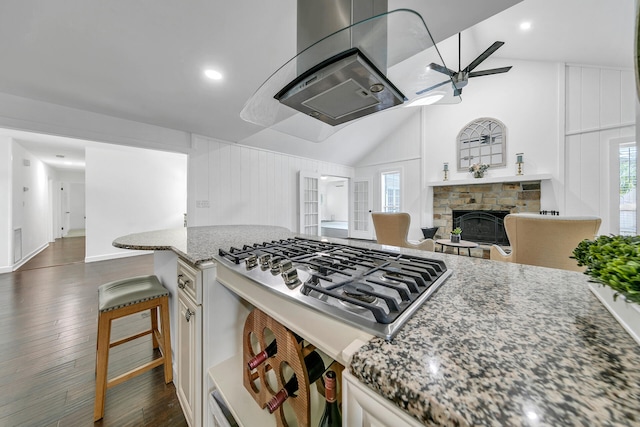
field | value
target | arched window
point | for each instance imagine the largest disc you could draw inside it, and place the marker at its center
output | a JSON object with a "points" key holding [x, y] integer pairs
{"points": [[482, 141]]}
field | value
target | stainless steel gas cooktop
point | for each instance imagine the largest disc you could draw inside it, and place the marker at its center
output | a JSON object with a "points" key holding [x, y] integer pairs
{"points": [[374, 290]]}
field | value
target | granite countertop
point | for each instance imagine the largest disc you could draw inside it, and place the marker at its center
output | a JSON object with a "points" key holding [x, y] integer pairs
{"points": [[200, 244], [508, 344], [497, 344]]}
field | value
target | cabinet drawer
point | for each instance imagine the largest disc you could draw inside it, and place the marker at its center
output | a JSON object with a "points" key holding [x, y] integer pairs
{"points": [[189, 280]]}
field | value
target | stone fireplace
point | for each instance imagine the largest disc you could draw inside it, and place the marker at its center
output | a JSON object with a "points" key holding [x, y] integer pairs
{"points": [[504, 197]]}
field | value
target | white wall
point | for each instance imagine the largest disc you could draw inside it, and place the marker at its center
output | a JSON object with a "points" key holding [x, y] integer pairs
{"points": [[600, 108], [235, 184], [76, 206], [525, 99], [335, 200], [30, 201], [131, 190], [6, 193], [401, 151], [37, 116], [410, 200]]}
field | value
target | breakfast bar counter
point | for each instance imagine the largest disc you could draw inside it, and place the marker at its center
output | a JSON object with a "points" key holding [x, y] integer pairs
{"points": [[497, 344], [508, 344]]}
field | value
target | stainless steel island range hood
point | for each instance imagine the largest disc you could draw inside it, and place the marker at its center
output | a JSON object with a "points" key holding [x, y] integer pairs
{"points": [[365, 67]]}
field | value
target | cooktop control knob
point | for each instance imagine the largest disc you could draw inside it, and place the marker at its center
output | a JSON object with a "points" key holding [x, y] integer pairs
{"points": [[291, 277], [264, 261], [274, 264], [285, 265], [251, 262]]}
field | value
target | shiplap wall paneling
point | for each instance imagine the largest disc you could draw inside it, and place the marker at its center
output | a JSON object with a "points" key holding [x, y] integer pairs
{"points": [[198, 183], [245, 185], [600, 107], [590, 172], [606, 138], [573, 98], [610, 94], [627, 97], [573, 190], [590, 105]]}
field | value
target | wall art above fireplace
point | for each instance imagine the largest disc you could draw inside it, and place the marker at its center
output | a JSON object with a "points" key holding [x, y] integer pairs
{"points": [[483, 140]]}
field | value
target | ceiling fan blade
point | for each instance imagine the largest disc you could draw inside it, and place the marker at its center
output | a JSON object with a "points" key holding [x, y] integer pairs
{"points": [[432, 87], [439, 68], [484, 55], [489, 72]]}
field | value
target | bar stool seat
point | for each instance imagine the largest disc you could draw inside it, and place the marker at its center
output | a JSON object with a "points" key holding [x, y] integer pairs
{"points": [[123, 298]]}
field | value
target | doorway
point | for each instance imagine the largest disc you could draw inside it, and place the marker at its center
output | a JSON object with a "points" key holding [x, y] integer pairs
{"points": [[334, 206]]}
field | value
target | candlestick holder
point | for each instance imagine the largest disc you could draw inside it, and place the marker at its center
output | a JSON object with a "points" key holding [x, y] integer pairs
{"points": [[519, 164]]}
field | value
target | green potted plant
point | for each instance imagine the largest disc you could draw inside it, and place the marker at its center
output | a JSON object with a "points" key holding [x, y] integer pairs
{"points": [[455, 235], [613, 261]]}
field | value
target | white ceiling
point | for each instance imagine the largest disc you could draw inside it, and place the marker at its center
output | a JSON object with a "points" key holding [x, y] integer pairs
{"points": [[144, 60]]}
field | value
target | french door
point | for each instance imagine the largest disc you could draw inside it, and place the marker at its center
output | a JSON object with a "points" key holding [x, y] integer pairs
{"points": [[362, 226], [309, 203]]}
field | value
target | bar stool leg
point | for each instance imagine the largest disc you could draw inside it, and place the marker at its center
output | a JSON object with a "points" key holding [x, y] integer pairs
{"points": [[166, 338], [154, 326], [102, 363]]}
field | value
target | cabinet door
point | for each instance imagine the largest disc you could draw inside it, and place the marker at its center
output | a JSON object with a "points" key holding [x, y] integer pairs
{"points": [[188, 352], [362, 407]]}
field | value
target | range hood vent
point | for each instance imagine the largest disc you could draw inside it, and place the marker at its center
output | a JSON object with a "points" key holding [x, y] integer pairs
{"points": [[370, 66], [342, 88]]}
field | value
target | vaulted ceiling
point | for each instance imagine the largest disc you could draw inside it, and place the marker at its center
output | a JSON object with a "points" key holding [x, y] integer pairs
{"points": [[144, 60]]}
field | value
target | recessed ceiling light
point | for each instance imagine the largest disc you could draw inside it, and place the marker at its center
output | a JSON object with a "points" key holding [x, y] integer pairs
{"points": [[525, 26], [213, 74]]}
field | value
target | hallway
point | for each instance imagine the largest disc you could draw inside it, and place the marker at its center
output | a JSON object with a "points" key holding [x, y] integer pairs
{"points": [[48, 318], [67, 250]]}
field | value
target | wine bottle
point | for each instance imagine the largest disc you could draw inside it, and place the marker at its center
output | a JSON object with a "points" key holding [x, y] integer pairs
{"points": [[268, 352], [331, 416], [315, 368]]}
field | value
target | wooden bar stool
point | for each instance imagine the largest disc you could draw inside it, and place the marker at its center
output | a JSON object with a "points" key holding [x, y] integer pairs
{"points": [[119, 299]]}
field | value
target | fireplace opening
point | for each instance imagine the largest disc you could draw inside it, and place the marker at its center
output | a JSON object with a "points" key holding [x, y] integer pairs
{"points": [[482, 226]]}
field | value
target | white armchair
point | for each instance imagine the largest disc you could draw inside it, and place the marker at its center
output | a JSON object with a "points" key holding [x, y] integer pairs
{"points": [[393, 228], [546, 241]]}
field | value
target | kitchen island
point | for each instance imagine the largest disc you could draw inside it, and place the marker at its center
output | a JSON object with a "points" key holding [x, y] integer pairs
{"points": [[497, 344]]}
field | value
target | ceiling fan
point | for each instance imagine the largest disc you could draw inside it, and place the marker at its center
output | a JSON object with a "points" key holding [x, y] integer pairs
{"points": [[461, 77]]}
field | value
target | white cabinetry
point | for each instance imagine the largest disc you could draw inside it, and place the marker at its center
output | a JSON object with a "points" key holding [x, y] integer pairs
{"points": [[189, 343], [362, 407]]}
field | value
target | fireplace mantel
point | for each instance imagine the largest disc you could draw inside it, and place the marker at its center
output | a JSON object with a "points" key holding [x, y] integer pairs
{"points": [[492, 180]]}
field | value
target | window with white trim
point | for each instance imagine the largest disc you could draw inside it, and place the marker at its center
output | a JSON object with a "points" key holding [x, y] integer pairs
{"points": [[390, 185], [628, 188]]}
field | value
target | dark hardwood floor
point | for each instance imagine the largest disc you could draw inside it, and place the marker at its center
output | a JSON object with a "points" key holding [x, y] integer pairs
{"points": [[48, 322]]}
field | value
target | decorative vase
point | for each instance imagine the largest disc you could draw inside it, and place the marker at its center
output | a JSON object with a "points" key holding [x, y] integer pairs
{"points": [[478, 174], [454, 238]]}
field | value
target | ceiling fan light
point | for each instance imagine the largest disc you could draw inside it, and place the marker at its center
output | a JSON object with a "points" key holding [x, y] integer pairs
{"points": [[426, 100]]}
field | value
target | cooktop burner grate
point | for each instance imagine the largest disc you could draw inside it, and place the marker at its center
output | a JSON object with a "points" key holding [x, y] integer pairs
{"points": [[373, 289]]}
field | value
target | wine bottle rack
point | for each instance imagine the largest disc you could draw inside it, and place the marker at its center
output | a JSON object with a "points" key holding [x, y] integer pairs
{"points": [[289, 353]]}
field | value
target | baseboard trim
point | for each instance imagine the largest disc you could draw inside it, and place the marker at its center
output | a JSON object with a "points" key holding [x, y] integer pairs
{"points": [[27, 258], [115, 255]]}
